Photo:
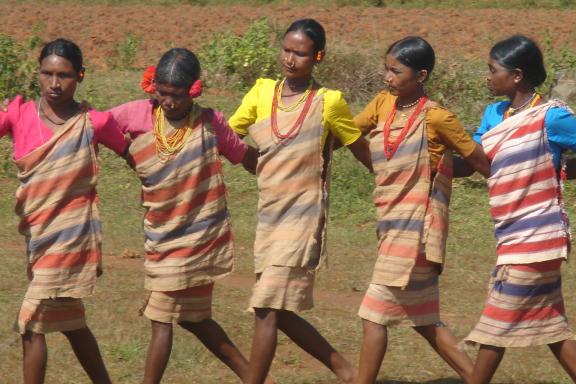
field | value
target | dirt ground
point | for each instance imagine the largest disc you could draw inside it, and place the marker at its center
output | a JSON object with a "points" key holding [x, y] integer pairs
{"points": [[98, 29]]}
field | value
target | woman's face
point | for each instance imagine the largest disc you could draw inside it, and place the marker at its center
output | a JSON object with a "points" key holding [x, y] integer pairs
{"points": [[501, 80], [402, 80], [58, 79], [297, 55], [174, 101]]}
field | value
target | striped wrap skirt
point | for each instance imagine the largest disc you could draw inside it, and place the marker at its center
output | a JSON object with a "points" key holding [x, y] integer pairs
{"points": [[524, 307], [59, 314], [285, 288], [190, 305], [415, 305]]}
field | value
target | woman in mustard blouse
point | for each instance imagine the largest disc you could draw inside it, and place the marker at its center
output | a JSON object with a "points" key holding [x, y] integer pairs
{"points": [[411, 142], [294, 123]]}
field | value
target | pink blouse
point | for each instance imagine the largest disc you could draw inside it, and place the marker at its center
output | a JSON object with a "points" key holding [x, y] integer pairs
{"points": [[135, 119], [28, 132]]}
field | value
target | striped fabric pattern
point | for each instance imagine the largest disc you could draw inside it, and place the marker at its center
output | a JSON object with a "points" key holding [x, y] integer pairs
{"points": [[56, 203], [287, 288], [191, 305], [530, 224], [188, 239], [50, 315], [292, 205], [524, 307], [417, 304], [412, 213]]}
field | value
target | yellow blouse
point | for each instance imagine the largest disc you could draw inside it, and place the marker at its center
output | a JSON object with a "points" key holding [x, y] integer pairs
{"points": [[257, 105], [442, 127]]}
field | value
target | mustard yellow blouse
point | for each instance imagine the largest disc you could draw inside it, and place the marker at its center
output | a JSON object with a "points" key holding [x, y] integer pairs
{"points": [[442, 127], [257, 105]]}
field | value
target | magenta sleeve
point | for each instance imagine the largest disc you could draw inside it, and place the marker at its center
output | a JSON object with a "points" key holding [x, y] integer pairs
{"points": [[107, 132], [229, 144], [11, 116]]}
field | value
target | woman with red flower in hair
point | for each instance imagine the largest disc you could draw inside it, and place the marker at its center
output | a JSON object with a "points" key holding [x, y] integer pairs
{"points": [[188, 242]]}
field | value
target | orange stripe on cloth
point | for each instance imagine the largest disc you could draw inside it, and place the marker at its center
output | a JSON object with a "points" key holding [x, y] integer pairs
{"points": [[191, 251], [52, 311], [41, 216], [67, 259], [400, 310], [524, 202], [398, 250], [158, 216], [64, 182], [173, 190], [145, 153]]}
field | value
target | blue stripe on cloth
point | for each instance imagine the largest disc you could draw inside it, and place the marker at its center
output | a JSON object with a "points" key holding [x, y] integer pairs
{"points": [[439, 195], [77, 231], [531, 222], [185, 157], [72, 146], [190, 228], [295, 211], [423, 284], [400, 224], [527, 290], [531, 153]]}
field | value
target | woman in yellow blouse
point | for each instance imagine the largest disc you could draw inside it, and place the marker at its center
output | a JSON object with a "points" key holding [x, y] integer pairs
{"points": [[411, 143], [294, 123]]}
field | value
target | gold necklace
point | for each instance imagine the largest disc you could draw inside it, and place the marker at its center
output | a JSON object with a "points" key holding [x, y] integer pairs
{"points": [[168, 146], [297, 104]]}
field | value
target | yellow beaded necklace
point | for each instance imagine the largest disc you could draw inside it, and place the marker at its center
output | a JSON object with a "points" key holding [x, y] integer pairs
{"points": [[168, 146], [297, 104]]}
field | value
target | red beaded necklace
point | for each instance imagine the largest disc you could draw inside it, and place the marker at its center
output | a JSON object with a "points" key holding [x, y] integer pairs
{"points": [[295, 130], [391, 147]]}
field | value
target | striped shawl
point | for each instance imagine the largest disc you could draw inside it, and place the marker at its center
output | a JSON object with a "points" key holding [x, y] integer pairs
{"points": [[412, 209], [188, 238], [56, 203], [293, 191], [525, 197]]}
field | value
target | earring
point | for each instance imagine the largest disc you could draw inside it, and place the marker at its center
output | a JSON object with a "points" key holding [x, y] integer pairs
{"points": [[319, 55]]}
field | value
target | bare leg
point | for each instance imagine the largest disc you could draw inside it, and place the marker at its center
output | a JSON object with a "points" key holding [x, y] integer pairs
{"points": [[565, 352], [445, 344], [309, 339], [263, 344], [88, 354], [374, 344], [158, 352], [35, 357], [211, 334], [487, 361]]}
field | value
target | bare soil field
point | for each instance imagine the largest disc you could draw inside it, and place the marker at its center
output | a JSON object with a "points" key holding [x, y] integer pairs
{"points": [[99, 29]]}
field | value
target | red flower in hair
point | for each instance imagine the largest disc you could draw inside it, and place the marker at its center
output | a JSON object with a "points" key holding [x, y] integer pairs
{"points": [[147, 82], [196, 89]]}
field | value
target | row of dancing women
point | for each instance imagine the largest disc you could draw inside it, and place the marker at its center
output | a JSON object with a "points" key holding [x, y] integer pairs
{"points": [[406, 139]]}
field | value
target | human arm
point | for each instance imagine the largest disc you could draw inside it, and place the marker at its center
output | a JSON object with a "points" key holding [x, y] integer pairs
{"points": [[247, 112], [9, 114], [108, 133], [231, 145], [561, 132], [454, 136], [338, 119], [361, 151]]}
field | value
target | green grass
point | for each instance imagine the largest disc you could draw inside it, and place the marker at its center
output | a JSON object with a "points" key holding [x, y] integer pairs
{"points": [[123, 335]]}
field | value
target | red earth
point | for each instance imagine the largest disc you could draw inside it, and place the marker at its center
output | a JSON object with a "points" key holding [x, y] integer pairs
{"points": [[454, 33]]}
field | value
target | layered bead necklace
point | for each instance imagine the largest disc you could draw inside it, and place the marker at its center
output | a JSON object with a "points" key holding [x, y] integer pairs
{"points": [[305, 99], [532, 101], [168, 146], [390, 147]]}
